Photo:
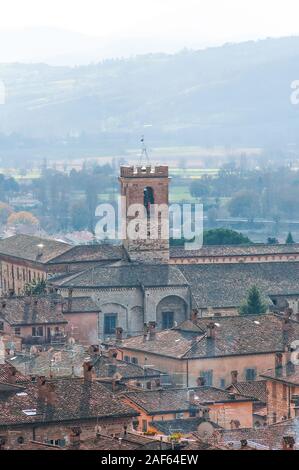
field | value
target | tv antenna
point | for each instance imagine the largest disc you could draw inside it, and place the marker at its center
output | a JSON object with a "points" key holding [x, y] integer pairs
{"points": [[144, 158]]}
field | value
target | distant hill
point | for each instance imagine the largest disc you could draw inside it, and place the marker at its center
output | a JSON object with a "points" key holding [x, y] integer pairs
{"points": [[237, 94]]}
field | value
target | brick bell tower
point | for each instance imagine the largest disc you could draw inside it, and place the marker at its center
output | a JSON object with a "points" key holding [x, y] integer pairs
{"points": [[147, 185]]}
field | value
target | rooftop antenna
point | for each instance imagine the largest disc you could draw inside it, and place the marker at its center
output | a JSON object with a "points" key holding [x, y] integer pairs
{"points": [[144, 158]]}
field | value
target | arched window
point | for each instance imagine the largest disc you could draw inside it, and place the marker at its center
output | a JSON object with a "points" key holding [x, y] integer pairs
{"points": [[148, 198]]}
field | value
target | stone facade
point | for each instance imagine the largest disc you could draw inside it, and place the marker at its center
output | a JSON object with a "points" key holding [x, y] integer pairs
{"points": [[133, 307]]}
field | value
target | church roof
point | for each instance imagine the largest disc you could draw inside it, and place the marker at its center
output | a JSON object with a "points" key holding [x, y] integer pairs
{"points": [[235, 250], [226, 285], [126, 275]]}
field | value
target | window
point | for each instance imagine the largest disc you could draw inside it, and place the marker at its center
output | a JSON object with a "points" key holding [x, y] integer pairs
{"points": [[17, 330], [250, 374], [222, 383], [110, 324], [179, 415], [1, 325], [167, 320], [193, 413], [148, 198], [207, 375], [126, 359], [144, 425], [134, 360], [37, 331], [274, 390], [56, 442]]}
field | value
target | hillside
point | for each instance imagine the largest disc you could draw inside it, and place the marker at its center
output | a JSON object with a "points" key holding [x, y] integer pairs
{"points": [[231, 95]]}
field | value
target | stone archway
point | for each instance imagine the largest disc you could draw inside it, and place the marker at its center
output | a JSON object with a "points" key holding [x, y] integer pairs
{"points": [[171, 311]]}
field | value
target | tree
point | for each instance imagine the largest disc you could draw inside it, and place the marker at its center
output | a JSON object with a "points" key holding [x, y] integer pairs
{"points": [[289, 240], [23, 217], [244, 204], [254, 304], [35, 287], [272, 241], [199, 189], [223, 236], [79, 216], [5, 211]]}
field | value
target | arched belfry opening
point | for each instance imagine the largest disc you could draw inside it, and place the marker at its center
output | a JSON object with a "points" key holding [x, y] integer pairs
{"points": [[148, 198]]}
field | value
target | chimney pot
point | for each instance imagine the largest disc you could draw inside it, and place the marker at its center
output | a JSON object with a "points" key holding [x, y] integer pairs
{"points": [[234, 375], [211, 330], [200, 381], [191, 395], [119, 333], [87, 371], [12, 374], [51, 395], [194, 314], [288, 443], [152, 330], [288, 313], [70, 300], [75, 437]]}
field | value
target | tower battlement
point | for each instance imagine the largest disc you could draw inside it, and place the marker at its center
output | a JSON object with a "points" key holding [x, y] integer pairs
{"points": [[146, 171], [146, 185]]}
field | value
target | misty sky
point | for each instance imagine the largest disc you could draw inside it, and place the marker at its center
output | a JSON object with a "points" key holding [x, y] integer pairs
{"points": [[213, 20], [169, 24]]}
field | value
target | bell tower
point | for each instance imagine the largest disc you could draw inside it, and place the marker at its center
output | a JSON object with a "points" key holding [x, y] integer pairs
{"points": [[146, 185]]}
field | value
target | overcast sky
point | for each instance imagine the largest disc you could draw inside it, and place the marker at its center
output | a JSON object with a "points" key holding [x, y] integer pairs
{"points": [[185, 23], [212, 19]]}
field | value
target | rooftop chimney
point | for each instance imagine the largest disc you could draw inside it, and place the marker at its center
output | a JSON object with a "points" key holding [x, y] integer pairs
{"points": [[234, 375], [42, 388], [194, 314], [288, 443], [191, 396], [278, 361], [200, 381], [11, 374], [51, 395], [288, 312], [119, 333], [70, 300], [112, 354], [152, 330], [87, 371], [243, 443], [145, 332], [211, 330], [75, 438], [94, 350]]}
